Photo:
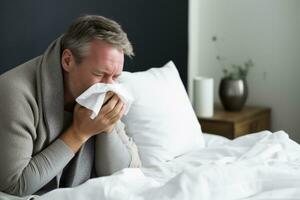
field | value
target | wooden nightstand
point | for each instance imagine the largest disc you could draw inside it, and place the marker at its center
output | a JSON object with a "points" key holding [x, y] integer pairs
{"points": [[233, 124]]}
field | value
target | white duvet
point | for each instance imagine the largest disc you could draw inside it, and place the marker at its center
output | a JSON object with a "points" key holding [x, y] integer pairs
{"points": [[261, 166], [264, 165]]}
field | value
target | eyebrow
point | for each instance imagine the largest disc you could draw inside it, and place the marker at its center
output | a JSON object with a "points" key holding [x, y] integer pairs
{"points": [[104, 72], [100, 72]]}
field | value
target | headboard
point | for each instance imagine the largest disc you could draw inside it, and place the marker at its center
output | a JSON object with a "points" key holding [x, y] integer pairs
{"points": [[157, 29]]}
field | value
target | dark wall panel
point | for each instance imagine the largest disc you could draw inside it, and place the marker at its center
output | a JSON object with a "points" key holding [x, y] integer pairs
{"points": [[157, 29]]}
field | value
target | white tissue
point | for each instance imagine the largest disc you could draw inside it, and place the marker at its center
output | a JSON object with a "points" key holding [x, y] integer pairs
{"points": [[94, 96]]}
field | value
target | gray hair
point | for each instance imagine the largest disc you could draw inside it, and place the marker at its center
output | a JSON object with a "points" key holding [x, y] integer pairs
{"points": [[88, 27]]}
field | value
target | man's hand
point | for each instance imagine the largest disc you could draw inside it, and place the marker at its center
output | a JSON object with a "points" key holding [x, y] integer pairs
{"points": [[119, 109], [83, 127]]}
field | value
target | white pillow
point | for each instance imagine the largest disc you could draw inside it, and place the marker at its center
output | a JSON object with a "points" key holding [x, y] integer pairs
{"points": [[161, 119]]}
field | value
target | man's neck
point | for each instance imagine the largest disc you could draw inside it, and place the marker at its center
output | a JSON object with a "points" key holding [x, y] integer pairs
{"points": [[69, 101], [69, 106]]}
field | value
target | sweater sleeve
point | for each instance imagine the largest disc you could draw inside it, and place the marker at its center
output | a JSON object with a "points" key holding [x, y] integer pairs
{"points": [[115, 151], [21, 172]]}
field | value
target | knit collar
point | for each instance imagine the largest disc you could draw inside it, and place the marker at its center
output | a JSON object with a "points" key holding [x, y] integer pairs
{"points": [[51, 89]]}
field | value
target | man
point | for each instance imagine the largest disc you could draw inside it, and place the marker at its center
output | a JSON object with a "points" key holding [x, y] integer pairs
{"points": [[46, 139]]}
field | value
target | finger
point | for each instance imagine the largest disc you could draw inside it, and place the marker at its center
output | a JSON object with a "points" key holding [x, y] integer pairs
{"points": [[118, 116], [117, 109], [82, 111], [123, 110], [85, 111], [77, 106], [110, 105], [108, 96]]}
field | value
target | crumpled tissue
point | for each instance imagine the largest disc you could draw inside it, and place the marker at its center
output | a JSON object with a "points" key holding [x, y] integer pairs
{"points": [[94, 96]]}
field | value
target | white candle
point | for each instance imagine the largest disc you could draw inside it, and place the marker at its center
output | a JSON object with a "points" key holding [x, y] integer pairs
{"points": [[204, 96]]}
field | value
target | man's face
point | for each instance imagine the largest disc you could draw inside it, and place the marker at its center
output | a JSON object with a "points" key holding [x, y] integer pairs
{"points": [[103, 64]]}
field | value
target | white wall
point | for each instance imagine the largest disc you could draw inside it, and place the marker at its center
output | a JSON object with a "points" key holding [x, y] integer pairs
{"points": [[268, 32]]}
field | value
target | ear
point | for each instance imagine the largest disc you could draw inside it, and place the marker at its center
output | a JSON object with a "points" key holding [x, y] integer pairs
{"points": [[67, 60]]}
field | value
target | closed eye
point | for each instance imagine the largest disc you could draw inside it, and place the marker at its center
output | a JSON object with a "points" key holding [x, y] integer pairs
{"points": [[99, 75]]}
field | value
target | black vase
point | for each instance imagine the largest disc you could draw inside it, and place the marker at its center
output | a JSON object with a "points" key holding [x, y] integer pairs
{"points": [[233, 93]]}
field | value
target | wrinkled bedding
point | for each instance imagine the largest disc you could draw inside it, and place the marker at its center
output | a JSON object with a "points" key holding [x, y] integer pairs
{"points": [[263, 165]]}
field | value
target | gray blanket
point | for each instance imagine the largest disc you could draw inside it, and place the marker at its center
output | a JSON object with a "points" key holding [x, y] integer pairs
{"points": [[32, 118]]}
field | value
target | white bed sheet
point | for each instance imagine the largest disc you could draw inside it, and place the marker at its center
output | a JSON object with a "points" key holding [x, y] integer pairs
{"points": [[212, 140], [256, 166]]}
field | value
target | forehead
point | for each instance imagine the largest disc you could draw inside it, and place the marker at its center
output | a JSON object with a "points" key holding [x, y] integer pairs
{"points": [[105, 56]]}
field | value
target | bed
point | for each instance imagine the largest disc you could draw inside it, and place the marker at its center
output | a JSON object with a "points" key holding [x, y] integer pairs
{"points": [[180, 162], [264, 165]]}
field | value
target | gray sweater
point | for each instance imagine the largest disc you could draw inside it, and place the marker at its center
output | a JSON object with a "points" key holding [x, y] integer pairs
{"points": [[32, 118]]}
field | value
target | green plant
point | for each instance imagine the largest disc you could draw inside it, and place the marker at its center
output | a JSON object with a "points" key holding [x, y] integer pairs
{"points": [[237, 71], [234, 71]]}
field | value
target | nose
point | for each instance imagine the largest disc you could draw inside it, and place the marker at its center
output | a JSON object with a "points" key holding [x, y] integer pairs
{"points": [[109, 80]]}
